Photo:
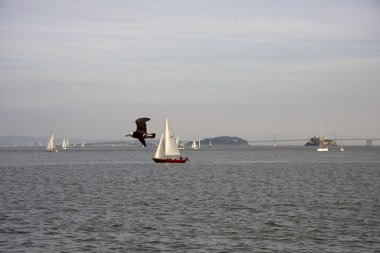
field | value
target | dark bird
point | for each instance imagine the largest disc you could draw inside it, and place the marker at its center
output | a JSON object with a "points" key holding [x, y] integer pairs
{"points": [[141, 132]]}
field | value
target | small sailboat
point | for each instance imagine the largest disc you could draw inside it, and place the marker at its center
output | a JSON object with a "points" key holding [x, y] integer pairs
{"points": [[341, 145], [65, 144], [51, 145], [167, 149], [179, 144], [210, 144], [275, 144], [195, 146]]}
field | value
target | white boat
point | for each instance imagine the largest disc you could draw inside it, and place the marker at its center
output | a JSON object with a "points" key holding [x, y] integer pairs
{"points": [[321, 146], [179, 144], [167, 149], [195, 146], [51, 145], [341, 145], [65, 144], [322, 149], [275, 144], [210, 144]]}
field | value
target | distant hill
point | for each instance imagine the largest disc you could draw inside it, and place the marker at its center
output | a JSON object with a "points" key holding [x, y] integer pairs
{"points": [[223, 140], [29, 141], [21, 140]]}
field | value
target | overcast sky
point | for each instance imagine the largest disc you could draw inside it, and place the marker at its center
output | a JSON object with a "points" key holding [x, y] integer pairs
{"points": [[88, 69]]}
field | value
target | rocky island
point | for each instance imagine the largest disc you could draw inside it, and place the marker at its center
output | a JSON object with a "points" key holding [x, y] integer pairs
{"points": [[222, 141]]}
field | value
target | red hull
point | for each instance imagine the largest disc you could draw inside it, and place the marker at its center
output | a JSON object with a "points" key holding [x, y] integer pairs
{"points": [[168, 160]]}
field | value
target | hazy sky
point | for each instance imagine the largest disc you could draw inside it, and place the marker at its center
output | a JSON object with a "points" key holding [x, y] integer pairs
{"points": [[88, 69]]}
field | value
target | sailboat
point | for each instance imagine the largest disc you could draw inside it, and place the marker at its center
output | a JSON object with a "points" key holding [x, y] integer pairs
{"points": [[167, 149], [179, 144], [65, 144], [195, 146], [341, 145], [210, 144], [275, 144], [51, 145]]}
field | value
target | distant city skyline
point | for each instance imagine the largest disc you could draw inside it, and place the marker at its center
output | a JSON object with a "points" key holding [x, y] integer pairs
{"points": [[89, 69]]}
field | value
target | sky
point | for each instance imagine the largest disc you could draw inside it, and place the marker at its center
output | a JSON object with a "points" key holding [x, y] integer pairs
{"points": [[246, 68]]}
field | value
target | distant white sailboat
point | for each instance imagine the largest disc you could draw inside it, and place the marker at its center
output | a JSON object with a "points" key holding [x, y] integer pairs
{"points": [[210, 144], [195, 146], [275, 144], [341, 145], [65, 144], [167, 149], [51, 145], [179, 144]]}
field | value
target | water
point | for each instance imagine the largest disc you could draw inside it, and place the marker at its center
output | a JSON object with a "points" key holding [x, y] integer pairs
{"points": [[261, 199]]}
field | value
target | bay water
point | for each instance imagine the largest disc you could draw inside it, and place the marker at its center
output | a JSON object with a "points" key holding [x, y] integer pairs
{"points": [[256, 199]]}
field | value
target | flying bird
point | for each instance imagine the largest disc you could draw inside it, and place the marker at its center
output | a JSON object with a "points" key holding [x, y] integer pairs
{"points": [[141, 133]]}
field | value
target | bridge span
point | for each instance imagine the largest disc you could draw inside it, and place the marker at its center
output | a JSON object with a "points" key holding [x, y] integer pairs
{"points": [[367, 141]]}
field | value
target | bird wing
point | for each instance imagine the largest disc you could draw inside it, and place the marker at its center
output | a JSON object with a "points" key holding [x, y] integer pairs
{"points": [[142, 140], [141, 125]]}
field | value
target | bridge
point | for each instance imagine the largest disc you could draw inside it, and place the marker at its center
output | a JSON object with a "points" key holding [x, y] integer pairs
{"points": [[368, 141]]}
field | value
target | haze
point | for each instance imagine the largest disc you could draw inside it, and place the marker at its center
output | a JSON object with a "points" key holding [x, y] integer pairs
{"points": [[88, 69]]}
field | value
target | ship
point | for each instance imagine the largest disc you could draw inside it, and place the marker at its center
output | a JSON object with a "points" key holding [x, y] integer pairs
{"points": [[324, 141]]}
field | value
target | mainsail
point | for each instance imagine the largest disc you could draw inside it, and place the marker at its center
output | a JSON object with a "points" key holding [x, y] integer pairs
{"points": [[51, 144], [65, 144], [171, 148]]}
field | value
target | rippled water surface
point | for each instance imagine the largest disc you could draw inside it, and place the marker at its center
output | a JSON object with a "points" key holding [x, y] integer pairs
{"points": [[261, 199]]}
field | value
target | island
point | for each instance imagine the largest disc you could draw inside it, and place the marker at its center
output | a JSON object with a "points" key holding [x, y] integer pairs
{"points": [[222, 141]]}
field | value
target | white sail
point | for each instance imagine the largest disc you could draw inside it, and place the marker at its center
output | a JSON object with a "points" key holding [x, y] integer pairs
{"points": [[194, 145], [160, 152], [64, 144], [51, 144], [179, 144], [171, 148]]}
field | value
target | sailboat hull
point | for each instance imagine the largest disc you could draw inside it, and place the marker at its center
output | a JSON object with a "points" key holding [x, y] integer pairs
{"points": [[170, 160]]}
